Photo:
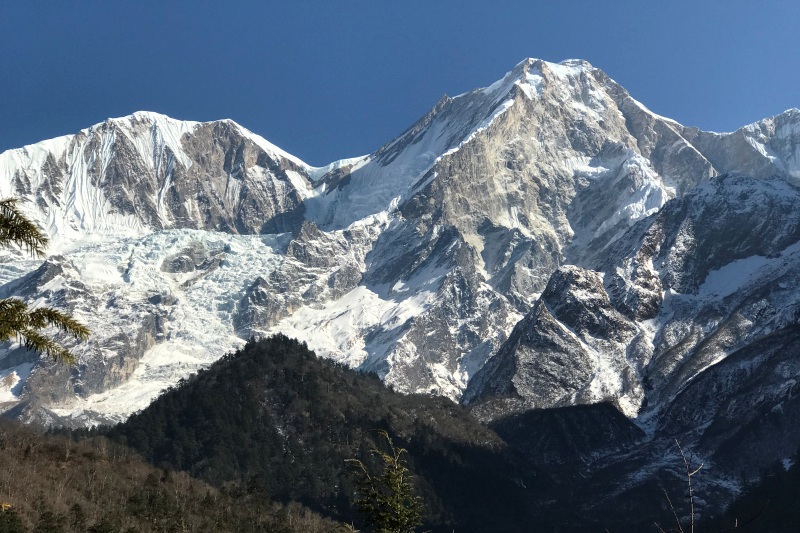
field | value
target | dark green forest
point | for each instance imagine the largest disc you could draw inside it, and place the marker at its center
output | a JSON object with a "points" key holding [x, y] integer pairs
{"points": [[280, 421], [263, 440]]}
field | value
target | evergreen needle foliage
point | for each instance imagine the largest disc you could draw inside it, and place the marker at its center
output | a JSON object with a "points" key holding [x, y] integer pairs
{"points": [[280, 421], [18, 229], [17, 321], [388, 499]]}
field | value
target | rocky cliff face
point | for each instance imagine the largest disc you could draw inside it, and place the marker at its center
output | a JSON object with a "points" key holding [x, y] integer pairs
{"points": [[549, 219], [569, 349], [149, 172], [688, 326], [497, 188], [678, 292]]}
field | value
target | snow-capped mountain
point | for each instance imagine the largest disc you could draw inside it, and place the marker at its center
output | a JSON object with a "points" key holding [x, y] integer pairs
{"points": [[138, 174], [505, 214], [708, 275]]}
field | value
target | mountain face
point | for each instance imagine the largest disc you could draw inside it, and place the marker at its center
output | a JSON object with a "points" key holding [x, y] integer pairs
{"points": [[544, 241], [130, 206], [707, 275], [688, 325]]}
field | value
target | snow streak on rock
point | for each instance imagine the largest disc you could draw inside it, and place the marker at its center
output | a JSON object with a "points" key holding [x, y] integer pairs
{"points": [[176, 240]]}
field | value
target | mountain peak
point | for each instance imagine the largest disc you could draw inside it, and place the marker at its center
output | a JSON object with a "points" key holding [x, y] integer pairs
{"points": [[565, 68], [530, 74], [149, 117], [571, 63], [481, 200], [580, 63], [174, 129]]}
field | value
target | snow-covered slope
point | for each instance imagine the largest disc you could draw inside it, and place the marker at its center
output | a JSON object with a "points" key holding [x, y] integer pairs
{"points": [[159, 306], [688, 325], [767, 147], [415, 261], [680, 291], [485, 196], [132, 175]]}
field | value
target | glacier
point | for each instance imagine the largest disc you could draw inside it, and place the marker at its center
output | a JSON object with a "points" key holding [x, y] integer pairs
{"points": [[177, 240]]}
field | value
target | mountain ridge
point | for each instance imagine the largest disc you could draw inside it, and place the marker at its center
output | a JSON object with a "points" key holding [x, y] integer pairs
{"points": [[415, 261]]}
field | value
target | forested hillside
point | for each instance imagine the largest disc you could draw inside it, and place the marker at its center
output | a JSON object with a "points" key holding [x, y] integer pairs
{"points": [[269, 428], [54, 484], [281, 421]]}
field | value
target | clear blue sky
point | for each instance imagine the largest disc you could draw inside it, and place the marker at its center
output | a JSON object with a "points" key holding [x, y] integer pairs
{"points": [[330, 79]]}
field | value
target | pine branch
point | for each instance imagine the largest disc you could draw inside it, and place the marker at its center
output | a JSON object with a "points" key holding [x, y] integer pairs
{"points": [[17, 322], [13, 318], [33, 340], [46, 316], [16, 228]]}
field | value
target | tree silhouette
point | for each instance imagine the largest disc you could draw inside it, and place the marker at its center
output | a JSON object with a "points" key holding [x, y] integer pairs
{"points": [[388, 499], [18, 321]]}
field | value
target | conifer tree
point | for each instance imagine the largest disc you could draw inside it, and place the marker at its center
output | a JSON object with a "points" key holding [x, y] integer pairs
{"points": [[18, 321], [388, 499]]}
